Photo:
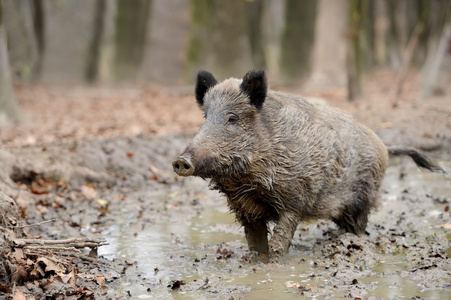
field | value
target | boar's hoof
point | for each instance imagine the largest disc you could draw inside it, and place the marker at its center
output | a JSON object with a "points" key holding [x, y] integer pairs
{"points": [[182, 165]]}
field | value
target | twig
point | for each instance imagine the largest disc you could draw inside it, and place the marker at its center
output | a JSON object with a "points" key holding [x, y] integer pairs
{"points": [[39, 247], [73, 242], [37, 224]]}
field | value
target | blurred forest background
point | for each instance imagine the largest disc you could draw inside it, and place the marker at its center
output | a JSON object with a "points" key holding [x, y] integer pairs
{"points": [[308, 43]]}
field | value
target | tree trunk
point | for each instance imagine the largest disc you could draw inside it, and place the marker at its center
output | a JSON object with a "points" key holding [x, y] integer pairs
{"points": [[412, 45], [297, 40], [93, 55], [329, 67], [39, 30], [230, 53], [200, 27], [130, 37], [8, 107], [436, 71], [254, 14], [354, 50], [393, 39], [18, 24]]}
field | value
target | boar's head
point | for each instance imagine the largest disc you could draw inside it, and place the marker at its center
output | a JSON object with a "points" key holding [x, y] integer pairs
{"points": [[224, 145]]}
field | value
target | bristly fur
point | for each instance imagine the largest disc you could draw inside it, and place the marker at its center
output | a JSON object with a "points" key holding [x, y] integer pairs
{"points": [[282, 159]]}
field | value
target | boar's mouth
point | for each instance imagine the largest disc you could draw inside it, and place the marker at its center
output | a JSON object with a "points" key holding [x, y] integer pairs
{"points": [[222, 167]]}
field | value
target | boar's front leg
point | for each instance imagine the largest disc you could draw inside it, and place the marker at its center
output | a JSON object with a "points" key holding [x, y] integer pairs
{"points": [[282, 235], [257, 236]]}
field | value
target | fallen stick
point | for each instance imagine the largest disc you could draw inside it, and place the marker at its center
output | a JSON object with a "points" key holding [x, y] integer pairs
{"points": [[36, 224], [73, 242]]}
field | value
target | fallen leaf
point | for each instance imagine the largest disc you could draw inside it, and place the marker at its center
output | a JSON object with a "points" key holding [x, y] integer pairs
{"points": [[68, 278], [102, 202], [291, 284], [446, 226], [93, 253], [175, 284], [18, 254], [43, 186], [224, 253], [19, 275], [100, 279], [88, 190], [50, 265], [172, 195], [5, 288], [19, 295]]}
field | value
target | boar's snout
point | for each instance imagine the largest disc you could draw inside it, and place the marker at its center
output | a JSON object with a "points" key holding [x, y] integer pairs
{"points": [[182, 165]]}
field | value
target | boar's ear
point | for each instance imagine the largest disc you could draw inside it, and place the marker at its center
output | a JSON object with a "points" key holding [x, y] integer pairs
{"points": [[205, 80], [255, 86]]}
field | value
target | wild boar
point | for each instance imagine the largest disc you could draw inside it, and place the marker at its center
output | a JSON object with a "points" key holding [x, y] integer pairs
{"points": [[278, 158]]}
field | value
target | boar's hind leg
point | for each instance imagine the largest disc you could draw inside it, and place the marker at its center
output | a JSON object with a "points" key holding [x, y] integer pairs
{"points": [[257, 236], [354, 217], [283, 234]]}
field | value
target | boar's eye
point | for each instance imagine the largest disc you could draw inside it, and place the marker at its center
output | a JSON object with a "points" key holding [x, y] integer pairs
{"points": [[232, 119]]}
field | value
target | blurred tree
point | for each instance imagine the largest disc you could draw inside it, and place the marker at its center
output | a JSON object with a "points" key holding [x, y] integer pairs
{"points": [[8, 107], [392, 37], [130, 37], [254, 15], [328, 69], [93, 56], [436, 71], [39, 30], [354, 53], [200, 27], [230, 53], [297, 40], [22, 50], [219, 41], [420, 27]]}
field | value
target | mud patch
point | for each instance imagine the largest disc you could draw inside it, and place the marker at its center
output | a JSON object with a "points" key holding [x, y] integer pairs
{"points": [[173, 238]]}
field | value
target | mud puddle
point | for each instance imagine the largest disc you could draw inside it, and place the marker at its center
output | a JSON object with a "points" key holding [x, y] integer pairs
{"points": [[200, 253]]}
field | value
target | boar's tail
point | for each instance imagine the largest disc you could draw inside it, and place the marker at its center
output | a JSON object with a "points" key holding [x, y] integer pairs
{"points": [[421, 159]]}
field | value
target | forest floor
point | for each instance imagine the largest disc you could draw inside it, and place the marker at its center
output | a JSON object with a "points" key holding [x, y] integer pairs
{"points": [[92, 166]]}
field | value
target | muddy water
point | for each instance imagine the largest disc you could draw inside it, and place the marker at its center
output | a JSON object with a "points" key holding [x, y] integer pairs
{"points": [[179, 237]]}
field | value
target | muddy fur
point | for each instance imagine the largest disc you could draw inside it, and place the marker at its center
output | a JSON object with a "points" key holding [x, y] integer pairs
{"points": [[278, 158]]}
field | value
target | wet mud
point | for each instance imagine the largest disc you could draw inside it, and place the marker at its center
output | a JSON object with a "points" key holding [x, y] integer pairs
{"points": [[173, 238]]}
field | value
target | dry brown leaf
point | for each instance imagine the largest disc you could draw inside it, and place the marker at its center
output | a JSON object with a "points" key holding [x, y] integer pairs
{"points": [[446, 226], [18, 255], [386, 124], [41, 209], [9, 233], [43, 186], [88, 190], [19, 295], [19, 275], [68, 278], [100, 280], [50, 265], [291, 284]]}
